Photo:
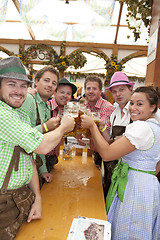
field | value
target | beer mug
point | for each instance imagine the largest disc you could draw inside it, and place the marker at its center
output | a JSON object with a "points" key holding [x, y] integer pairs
{"points": [[79, 128], [96, 118], [67, 150], [71, 110]]}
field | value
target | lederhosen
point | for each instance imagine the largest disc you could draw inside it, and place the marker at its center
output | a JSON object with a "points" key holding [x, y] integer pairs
{"points": [[38, 160], [51, 160], [14, 204], [109, 166]]}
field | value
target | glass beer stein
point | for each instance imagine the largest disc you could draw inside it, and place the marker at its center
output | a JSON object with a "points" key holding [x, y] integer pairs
{"points": [[96, 118], [72, 110], [79, 128], [67, 150]]}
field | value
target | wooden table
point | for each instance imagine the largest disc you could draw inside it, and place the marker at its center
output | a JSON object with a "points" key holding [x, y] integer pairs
{"points": [[76, 190]]}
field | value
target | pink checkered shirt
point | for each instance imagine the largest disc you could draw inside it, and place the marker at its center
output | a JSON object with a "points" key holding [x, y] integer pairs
{"points": [[105, 109], [54, 107]]}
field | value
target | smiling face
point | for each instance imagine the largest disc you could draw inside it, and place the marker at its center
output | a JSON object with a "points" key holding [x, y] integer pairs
{"points": [[46, 85], [13, 92], [121, 94], [140, 107], [63, 95], [92, 92]]}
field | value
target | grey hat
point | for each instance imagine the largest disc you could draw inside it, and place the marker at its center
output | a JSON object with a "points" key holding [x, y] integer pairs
{"points": [[64, 81], [13, 68]]}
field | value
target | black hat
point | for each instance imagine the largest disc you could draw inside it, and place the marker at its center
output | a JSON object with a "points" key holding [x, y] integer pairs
{"points": [[13, 68], [64, 81]]}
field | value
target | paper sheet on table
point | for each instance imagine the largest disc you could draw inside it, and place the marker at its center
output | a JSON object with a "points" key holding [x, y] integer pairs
{"points": [[89, 228], [75, 143]]}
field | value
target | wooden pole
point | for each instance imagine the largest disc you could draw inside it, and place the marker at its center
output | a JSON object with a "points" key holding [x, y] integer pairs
{"points": [[153, 60]]}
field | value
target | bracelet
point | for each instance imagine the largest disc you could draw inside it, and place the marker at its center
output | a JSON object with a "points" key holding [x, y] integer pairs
{"points": [[45, 127], [102, 130]]}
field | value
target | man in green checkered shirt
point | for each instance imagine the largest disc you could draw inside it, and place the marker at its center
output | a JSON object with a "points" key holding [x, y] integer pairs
{"points": [[15, 130], [38, 110]]}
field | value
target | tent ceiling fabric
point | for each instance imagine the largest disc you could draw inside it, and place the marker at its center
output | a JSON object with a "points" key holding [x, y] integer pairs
{"points": [[79, 20]]}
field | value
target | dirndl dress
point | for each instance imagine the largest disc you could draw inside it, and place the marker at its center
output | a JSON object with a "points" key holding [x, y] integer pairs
{"points": [[138, 216]]}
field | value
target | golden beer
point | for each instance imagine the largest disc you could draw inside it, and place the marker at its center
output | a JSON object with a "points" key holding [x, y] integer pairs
{"points": [[72, 110]]}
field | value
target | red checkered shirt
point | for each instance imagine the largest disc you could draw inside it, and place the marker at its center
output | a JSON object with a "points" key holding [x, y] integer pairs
{"points": [[105, 109]]}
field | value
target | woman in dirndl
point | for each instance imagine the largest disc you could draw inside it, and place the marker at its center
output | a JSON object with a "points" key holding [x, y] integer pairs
{"points": [[133, 200]]}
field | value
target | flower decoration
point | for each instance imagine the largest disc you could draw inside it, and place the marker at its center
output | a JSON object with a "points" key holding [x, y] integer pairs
{"points": [[112, 65], [34, 55], [61, 62]]}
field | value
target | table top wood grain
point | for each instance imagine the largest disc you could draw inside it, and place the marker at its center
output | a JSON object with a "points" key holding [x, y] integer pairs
{"points": [[76, 190]]}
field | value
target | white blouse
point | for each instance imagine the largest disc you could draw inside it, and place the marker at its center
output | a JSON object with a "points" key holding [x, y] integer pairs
{"points": [[140, 134]]}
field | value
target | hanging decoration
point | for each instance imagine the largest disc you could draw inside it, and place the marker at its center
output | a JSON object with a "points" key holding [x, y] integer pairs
{"points": [[39, 52], [61, 62], [9, 53], [139, 15], [77, 59], [83, 75], [46, 55], [112, 65], [73, 76]]}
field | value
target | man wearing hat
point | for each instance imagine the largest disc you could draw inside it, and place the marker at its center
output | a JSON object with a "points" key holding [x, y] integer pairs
{"points": [[64, 93], [39, 112], [20, 198], [121, 89]]}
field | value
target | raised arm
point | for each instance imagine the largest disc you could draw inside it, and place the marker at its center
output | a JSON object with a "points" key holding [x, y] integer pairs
{"points": [[52, 138], [108, 152]]}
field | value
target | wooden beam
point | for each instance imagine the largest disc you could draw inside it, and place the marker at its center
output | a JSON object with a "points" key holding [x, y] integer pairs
{"points": [[115, 49], [118, 23], [74, 44], [13, 21], [121, 25], [31, 33], [17, 5], [153, 67]]}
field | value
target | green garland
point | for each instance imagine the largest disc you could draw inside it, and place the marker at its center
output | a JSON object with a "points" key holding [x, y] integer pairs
{"points": [[112, 65], [138, 10], [84, 75], [61, 62], [9, 53], [31, 53], [77, 59]]}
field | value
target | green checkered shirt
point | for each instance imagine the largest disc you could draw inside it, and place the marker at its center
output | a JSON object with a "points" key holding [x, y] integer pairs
{"points": [[16, 130], [44, 113]]}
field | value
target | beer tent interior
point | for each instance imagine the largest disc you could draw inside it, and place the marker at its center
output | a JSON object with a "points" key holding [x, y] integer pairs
{"points": [[74, 21]]}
